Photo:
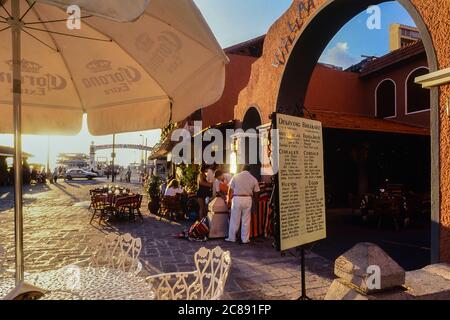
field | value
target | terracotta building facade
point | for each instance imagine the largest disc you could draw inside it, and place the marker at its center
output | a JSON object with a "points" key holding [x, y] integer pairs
{"points": [[237, 76], [387, 81], [281, 81]]}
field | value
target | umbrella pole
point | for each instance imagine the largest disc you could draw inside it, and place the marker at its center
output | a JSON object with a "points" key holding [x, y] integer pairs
{"points": [[17, 114]]}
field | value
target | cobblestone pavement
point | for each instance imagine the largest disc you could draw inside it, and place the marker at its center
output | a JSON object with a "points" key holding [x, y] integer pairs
{"points": [[57, 232]]}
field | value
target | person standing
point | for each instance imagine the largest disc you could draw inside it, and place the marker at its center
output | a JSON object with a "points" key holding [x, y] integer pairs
{"points": [[55, 175], [204, 191], [210, 173], [221, 183], [129, 175], [243, 188], [227, 177]]}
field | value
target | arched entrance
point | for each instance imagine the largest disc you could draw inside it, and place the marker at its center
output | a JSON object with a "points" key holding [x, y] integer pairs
{"points": [[252, 120], [323, 20]]}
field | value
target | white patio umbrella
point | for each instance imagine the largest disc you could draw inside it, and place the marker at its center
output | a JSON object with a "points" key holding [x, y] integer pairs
{"points": [[118, 10], [126, 77]]}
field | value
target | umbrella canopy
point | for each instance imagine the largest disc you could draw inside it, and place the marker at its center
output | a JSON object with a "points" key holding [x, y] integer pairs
{"points": [[119, 10], [126, 76]]}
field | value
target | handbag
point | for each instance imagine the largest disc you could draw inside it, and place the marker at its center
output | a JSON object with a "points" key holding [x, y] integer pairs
{"points": [[199, 230]]}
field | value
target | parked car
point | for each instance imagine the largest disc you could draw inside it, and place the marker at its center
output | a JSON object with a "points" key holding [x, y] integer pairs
{"points": [[80, 174]]}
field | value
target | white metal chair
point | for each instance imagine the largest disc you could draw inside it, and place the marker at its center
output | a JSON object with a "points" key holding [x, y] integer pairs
{"points": [[116, 252], [206, 283]]}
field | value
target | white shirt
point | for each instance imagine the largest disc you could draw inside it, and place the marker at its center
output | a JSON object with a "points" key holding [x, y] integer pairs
{"points": [[244, 184], [172, 192], [227, 177]]}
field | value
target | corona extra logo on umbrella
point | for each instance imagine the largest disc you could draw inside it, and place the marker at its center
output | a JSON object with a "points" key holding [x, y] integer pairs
{"points": [[163, 50], [112, 80], [27, 66], [97, 66], [34, 81]]}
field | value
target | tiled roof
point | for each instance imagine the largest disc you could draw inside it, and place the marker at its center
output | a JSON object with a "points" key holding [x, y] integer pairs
{"points": [[337, 120], [244, 44], [411, 50]]}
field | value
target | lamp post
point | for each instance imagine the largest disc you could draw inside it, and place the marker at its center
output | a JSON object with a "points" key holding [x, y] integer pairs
{"points": [[113, 156], [142, 152], [48, 157], [146, 156]]}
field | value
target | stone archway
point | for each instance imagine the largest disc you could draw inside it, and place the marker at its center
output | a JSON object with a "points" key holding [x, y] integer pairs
{"points": [[279, 80], [306, 51]]}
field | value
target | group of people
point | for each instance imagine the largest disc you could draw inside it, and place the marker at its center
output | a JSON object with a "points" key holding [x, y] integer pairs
{"points": [[38, 176], [174, 197], [125, 175], [58, 172], [238, 192], [7, 173]]}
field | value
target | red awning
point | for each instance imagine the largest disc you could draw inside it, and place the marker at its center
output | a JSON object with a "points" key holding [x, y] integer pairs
{"points": [[336, 120]]}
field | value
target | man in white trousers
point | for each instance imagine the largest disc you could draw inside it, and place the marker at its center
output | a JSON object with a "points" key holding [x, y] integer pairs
{"points": [[243, 188]]}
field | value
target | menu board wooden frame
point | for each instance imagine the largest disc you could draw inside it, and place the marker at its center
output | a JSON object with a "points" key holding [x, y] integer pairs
{"points": [[301, 184]]}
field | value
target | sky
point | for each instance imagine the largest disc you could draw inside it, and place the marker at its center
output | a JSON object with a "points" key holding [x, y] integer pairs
{"points": [[355, 39], [233, 21]]}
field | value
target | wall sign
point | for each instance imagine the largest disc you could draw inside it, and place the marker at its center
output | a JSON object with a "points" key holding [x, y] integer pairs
{"points": [[301, 184], [303, 9]]}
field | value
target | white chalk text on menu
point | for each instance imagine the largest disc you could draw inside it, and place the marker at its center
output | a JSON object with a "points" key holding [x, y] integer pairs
{"points": [[301, 181]]}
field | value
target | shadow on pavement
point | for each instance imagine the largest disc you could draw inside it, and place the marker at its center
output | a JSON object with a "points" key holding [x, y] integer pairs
{"points": [[64, 190], [7, 195], [409, 247]]}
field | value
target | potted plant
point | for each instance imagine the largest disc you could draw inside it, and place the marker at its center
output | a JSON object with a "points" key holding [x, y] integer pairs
{"points": [[189, 178], [153, 188], [189, 182]]}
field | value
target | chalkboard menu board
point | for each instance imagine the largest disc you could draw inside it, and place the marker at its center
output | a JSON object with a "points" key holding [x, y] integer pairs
{"points": [[301, 188]]}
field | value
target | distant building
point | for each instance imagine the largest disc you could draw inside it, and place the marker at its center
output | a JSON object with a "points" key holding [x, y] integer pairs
{"points": [[401, 36], [73, 160], [8, 152]]}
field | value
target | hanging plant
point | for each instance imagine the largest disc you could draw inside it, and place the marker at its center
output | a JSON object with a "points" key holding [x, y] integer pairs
{"points": [[167, 130]]}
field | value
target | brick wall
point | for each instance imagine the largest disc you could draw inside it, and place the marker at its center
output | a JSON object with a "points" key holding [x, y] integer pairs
{"points": [[263, 87]]}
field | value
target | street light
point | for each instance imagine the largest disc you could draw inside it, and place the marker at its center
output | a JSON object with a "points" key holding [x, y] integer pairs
{"points": [[113, 156], [146, 158], [48, 157], [144, 147]]}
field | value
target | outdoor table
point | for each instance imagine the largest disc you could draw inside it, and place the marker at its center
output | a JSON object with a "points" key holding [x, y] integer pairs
{"points": [[111, 198], [86, 283], [116, 205]]}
